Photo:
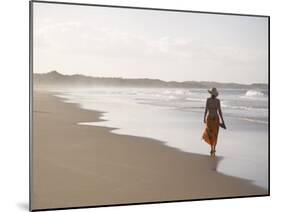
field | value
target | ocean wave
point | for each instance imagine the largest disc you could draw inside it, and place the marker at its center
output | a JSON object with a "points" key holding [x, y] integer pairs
{"points": [[195, 99], [172, 97], [255, 120], [254, 94], [244, 108], [177, 91]]}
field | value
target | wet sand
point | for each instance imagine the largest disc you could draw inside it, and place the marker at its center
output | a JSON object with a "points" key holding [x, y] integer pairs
{"points": [[79, 165]]}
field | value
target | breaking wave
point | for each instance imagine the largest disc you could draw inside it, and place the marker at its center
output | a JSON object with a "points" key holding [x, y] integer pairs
{"points": [[254, 94]]}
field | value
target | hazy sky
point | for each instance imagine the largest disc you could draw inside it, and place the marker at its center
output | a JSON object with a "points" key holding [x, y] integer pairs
{"points": [[129, 43]]}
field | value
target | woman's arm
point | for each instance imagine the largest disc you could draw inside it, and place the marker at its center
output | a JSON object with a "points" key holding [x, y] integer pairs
{"points": [[206, 110], [220, 112]]}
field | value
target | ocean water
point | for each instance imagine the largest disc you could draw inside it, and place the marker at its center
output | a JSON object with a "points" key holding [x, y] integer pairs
{"points": [[175, 116]]}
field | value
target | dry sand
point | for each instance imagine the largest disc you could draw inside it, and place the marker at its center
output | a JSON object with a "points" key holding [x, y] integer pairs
{"points": [[78, 165]]}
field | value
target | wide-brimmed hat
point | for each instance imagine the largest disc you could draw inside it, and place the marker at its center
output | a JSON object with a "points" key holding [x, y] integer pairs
{"points": [[213, 91]]}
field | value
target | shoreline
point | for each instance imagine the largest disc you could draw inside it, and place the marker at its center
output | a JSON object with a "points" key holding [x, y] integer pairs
{"points": [[184, 129], [106, 168]]}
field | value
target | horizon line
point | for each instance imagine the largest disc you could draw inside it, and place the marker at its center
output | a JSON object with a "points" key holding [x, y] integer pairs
{"points": [[265, 83]]}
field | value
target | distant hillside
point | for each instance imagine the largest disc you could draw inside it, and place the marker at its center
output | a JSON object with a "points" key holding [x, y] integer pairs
{"points": [[55, 79]]}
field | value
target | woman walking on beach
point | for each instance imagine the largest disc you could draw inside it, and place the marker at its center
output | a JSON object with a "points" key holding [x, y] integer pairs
{"points": [[212, 117]]}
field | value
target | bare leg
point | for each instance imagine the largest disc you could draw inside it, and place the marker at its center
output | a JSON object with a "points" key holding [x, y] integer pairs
{"points": [[212, 149]]}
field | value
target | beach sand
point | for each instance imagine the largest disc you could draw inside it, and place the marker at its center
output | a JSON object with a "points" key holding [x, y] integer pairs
{"points": [[80, 165]]}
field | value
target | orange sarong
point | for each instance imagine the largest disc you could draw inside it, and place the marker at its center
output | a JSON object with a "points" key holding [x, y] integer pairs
{"points": [[210, 134]]}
